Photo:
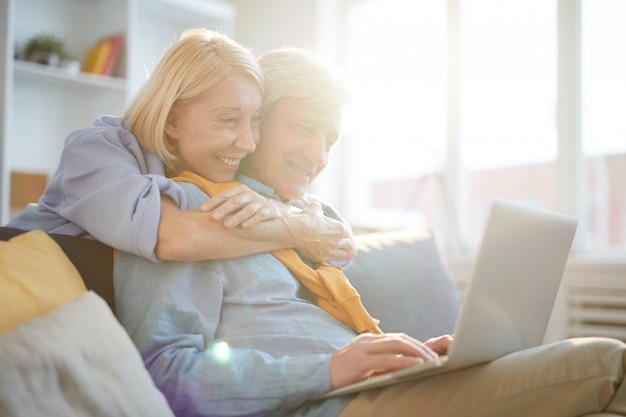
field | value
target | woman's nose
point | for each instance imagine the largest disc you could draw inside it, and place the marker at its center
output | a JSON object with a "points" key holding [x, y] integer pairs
{"points": [[248, 138]]}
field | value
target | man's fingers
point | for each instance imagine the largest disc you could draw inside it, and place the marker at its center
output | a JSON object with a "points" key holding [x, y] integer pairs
{"points": [[401, 344], [440, 344], [314, 208], [373, 354]]}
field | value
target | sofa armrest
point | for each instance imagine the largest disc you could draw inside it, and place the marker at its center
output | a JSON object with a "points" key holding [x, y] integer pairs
{"points": [[404, 283]]}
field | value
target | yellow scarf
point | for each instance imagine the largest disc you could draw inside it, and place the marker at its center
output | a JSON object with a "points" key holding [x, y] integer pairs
{"points": [[331, 287]]}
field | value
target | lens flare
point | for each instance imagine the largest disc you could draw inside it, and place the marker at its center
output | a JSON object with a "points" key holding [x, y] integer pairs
{"points": [[220, 352]]}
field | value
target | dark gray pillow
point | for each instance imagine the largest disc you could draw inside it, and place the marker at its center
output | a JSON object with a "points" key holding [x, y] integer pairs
{"points": [[404, 283]]}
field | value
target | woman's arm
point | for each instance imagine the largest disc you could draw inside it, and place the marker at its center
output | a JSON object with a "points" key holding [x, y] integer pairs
{"points": [[195, 235], [107, 187], [241, 206]]}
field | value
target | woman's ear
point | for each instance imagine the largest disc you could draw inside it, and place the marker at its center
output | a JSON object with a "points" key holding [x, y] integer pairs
{"points": [[171, 125]]}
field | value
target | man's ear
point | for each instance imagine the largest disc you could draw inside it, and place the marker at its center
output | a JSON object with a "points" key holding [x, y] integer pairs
{"points": [[171, 125]]}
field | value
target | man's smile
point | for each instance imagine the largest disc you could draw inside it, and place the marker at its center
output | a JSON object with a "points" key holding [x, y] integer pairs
{"points": [[299, 170]]}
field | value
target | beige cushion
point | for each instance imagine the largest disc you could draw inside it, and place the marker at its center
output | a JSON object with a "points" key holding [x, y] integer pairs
{"points": [[35, 278]]}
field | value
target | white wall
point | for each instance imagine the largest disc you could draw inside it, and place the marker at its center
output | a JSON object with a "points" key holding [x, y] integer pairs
{"points": [[268, 24]]}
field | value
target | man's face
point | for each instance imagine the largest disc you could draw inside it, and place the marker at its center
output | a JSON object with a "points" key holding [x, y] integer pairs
{"points": [[296, 138]]}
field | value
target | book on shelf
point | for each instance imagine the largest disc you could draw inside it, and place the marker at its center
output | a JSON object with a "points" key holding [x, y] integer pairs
{"points": [[102, 57], [26, 187], [109, 65]]}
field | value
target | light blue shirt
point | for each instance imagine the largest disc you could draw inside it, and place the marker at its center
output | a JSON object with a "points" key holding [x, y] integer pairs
{"points": [[229, 337]]}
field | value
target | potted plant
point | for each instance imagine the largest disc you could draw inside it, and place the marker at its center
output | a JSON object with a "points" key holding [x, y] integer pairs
{"points": [[45, 49]]}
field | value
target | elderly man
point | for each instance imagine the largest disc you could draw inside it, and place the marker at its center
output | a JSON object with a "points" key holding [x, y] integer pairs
{"points": [[260, 335]]}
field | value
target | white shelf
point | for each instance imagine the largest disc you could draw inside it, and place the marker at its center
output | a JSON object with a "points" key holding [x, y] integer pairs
{"points": [[30, 70], [61, 101]]}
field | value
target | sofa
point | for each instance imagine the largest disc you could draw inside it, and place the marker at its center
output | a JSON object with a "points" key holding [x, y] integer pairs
{"points": [[63, 353]]}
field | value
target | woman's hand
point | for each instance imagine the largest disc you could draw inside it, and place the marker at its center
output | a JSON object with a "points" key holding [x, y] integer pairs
{"points": [[320, 238], [316, 236], [374, 354], [240, 206]]}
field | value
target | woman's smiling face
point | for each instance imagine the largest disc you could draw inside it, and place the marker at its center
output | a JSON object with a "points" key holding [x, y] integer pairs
{"points": [[214, 133]]}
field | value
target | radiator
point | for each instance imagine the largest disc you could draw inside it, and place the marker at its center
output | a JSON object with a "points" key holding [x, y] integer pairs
{"points": [[596, 303], [592, 301]]}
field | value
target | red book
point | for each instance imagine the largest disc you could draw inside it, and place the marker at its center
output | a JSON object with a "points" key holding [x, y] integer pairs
{"points": [[114, 51]]}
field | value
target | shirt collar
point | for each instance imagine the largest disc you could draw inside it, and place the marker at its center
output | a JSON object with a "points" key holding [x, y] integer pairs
{"points": [[259, 187]]}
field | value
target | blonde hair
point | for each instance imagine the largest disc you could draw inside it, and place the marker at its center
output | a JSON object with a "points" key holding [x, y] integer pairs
{"points": [[197, 61], [302, 74]]}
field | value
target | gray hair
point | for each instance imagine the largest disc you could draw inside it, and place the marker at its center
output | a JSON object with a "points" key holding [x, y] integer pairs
{"points": [[302, 74]]}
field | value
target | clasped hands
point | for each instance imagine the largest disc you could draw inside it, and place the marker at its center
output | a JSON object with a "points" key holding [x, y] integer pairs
{"points": [[316, 236]]}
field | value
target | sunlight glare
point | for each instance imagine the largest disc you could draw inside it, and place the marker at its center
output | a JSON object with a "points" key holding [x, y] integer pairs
{"points": [[396, 71], [220, 352]]}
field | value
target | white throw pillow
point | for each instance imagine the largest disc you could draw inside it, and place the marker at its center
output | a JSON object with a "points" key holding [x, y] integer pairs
{"points": [[75, 361]]}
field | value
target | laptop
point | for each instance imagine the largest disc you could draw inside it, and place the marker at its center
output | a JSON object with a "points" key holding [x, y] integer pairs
{"points": [[510, 296]]}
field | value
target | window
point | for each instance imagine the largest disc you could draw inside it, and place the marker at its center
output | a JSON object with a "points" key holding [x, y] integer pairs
{"points": [[603, 112], [402, 142], [395, 131], [508, 91]]}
